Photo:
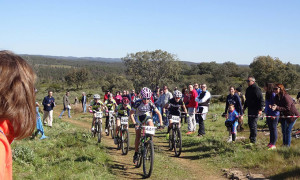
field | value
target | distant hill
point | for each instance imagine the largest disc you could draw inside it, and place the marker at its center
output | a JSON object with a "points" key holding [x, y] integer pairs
{"points": [[101, 59]]}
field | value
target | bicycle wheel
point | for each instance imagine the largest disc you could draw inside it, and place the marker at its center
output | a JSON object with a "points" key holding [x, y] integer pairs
{"points": [[171, 139], [177, 142], [99, 129], [148, 158], [125, 141], [119, 140], [112, 130], [95, 130]]}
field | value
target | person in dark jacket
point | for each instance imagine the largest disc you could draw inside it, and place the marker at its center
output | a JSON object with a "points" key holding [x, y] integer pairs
{"points": [[49, 104], [83, 102], [254, 102], [271, 121], [286, 106]]}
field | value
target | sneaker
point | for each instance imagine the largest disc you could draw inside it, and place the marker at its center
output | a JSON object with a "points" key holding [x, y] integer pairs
{"points": [[269, 145], [115, 140], [135, 158], [200, 135], [229, 139], [190, 132], [167, 136], [106, 131], [92, 129], [272, 147]]}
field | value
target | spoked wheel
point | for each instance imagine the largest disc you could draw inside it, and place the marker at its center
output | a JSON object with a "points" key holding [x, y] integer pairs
{"points": [[177, 142], [95, 130], [125, 141], [99, 130], [112, 130], [119, 140], [148, 159], [171, 140]]}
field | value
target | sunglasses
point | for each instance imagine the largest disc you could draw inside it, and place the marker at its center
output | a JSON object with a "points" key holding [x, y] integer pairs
{"points": [[248, 81], [146, 98], [276, 88]]}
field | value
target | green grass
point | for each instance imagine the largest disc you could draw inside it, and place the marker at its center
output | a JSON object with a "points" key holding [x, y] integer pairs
{"points": [[68, 153]]}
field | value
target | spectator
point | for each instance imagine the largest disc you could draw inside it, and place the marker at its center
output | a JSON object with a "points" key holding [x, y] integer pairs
{"points": [[76, 101], [196, 87], [126, 94], [271, 121], [118, 97], [203, 103], [233, 98], [254, 102], [107, 92], [242, 98], [17, 106], [67, 106], [155, 98], [83, 102], [133, 96], [163, 100], [192, 110], [49, 104], [284, 103], [39, 124]]}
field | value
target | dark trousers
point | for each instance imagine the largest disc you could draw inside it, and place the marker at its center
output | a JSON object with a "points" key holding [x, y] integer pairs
{"points": [[252, 122], [106, 122], [201, 130], [272, 123]]}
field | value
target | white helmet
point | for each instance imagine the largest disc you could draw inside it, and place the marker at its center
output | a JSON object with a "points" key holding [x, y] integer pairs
{"points": [[146, 92], [96, 96], [177, 94]]}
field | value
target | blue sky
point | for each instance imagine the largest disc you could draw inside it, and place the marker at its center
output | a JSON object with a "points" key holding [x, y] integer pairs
{"points": [[198, 31]]}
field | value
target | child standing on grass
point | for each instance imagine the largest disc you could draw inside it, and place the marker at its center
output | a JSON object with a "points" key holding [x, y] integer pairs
{"points": [[17, 106], [232, 122]]}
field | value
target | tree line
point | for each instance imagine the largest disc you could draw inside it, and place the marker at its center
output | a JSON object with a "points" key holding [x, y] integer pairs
{"points": [[157, 68]]}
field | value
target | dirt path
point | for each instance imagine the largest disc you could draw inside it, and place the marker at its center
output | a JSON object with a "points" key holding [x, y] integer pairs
{"points": [[123, 167]]}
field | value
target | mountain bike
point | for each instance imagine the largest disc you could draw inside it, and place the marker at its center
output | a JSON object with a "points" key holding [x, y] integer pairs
{"points": [[146, 150], [175, 141], [123, 135], [98, 125], [111, 127]]}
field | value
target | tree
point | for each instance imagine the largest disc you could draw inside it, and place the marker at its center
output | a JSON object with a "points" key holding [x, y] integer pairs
{"points": [[78, 77], [152, 68]]}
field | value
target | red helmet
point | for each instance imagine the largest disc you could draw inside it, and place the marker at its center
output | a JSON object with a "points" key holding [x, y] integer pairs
{"points": [[125, 100]]}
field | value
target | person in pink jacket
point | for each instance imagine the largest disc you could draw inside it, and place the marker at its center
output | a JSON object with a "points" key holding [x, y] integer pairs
{"points": [[192, 106]]}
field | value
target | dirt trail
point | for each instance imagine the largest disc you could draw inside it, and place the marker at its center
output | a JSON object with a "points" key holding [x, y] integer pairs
{"points": [[123, 167]]}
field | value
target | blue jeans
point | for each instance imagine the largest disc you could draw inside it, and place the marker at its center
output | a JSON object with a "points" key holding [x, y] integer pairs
{"points": [[272, 123], [286, 131], [84, 107], [69, 113]]}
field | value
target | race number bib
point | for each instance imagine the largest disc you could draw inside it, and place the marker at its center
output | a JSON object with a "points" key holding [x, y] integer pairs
{"points": [[175, 119], [150, 130], [124, 120], [99, 114]]}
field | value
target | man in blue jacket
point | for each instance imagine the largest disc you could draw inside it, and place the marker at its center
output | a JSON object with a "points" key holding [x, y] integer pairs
{"points": [[49, 104]]}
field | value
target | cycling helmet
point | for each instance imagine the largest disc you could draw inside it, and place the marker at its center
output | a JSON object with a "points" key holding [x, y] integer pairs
{"points": [[146, 93], [177, 94], [96, 96], [125, 100]]}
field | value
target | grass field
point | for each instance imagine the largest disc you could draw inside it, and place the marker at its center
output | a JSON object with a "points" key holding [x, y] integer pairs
{"points": [[71, 153]]}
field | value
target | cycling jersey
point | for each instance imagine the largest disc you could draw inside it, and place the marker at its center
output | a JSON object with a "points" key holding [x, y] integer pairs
{"points": [[142, 110], [110, 104], [96, 106], [122, 111], [174, 107]]}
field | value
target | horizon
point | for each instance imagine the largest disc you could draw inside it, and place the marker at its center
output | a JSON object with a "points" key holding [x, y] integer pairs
{"points": [[194, 31]]}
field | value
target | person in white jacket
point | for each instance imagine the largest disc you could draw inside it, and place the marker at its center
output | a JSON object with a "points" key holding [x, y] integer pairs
{"points": [[203, 103]]}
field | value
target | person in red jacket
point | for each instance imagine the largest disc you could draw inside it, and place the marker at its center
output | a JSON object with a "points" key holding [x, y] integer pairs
{"points": [[17, 106], [107, 92], [192, 106]]}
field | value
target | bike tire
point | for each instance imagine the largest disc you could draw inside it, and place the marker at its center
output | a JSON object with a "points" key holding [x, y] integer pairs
{"points": [[99, 132], [171, 140], [112, 131], [177, 142], [148, 158], [119, 140], [95, 130], [125, 141]]}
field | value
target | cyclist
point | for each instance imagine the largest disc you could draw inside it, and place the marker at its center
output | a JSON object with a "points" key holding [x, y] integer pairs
{"points": [[121, 110], [96, 105], [174, 105], [110, 105], [142, 109]]}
